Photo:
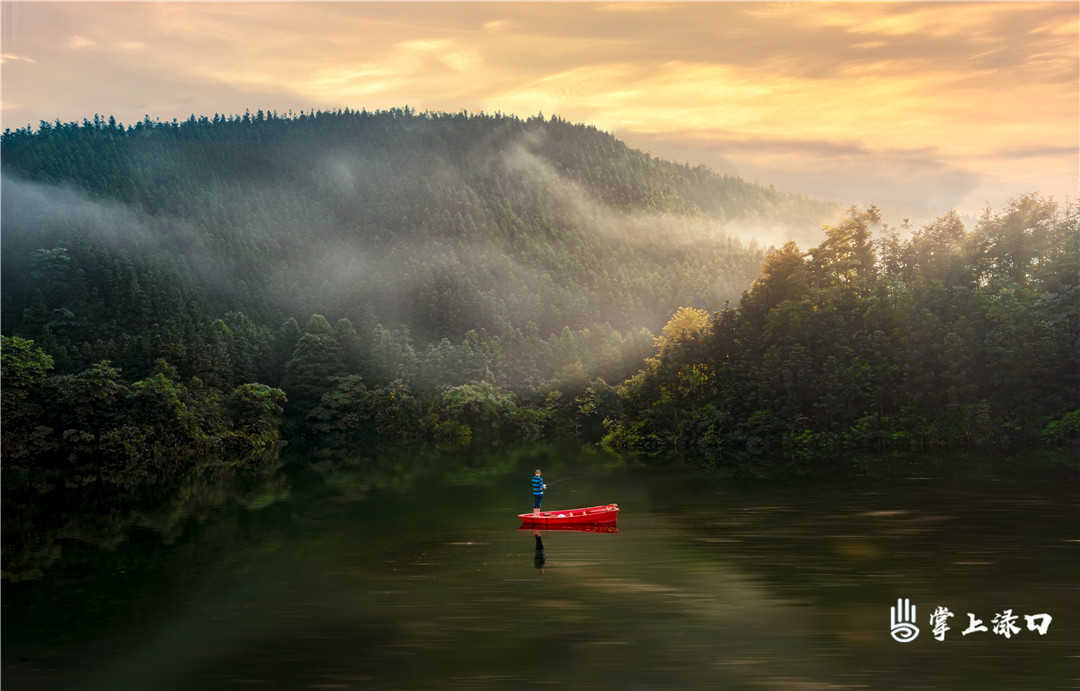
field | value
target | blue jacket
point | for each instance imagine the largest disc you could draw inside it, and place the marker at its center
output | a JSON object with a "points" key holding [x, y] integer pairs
{"points": [[538, 485]]}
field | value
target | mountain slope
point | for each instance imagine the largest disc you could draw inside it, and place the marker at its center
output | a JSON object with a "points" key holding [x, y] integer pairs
{"points": [[442, 223]]}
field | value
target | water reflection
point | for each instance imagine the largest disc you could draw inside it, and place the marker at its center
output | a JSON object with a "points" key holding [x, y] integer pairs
{"points": [[580, 528], [539, 556]]}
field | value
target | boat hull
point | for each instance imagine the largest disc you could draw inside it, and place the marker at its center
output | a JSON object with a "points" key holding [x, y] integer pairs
{"points": [[589, 515]]}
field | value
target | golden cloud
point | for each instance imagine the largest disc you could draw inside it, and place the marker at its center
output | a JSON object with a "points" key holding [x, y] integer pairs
{"points": [[958, 79]]}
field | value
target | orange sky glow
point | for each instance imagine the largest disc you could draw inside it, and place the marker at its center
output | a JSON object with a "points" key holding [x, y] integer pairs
{"points": [[915, 104]]}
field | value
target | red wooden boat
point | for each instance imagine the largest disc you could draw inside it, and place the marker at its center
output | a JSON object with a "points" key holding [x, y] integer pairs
{"points": [[608, 513]]}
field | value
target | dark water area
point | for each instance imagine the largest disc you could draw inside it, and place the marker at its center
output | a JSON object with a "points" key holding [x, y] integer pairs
{"points": [[416, 574]]}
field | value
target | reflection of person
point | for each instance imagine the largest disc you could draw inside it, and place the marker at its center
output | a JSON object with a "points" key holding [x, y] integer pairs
{"points": [[538, 491], [539, 557]]}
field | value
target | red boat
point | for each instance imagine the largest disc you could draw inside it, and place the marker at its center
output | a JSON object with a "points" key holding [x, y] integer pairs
{"points": [[608, 513]]}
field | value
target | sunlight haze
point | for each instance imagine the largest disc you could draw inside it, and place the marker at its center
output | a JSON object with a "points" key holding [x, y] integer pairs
{"points": [[916, 105]]}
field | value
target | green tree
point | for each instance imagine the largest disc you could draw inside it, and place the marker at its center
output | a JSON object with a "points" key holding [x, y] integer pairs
{"points": [[310, 373], [847, 256], [479, 413], [256, 411], [23, 371], [90, 409], [784, 276], [352, 419], [161, 405]]}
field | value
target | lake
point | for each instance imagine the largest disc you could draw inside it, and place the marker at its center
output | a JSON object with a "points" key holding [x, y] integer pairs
{"points": [[415, 574]]}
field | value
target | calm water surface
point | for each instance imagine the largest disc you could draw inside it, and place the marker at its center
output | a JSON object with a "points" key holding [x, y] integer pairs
{"points": [[419, 577]]}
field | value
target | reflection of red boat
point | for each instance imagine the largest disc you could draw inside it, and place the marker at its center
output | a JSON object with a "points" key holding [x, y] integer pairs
{"points": [[590, 514], [572, 527]]}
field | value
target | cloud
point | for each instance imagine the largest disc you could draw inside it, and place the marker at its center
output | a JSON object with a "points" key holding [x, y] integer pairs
{"points": [[847, 171], [81, 42], [633, 7], [407, 66], [1049, 151], [11, 57], [960, 79]]}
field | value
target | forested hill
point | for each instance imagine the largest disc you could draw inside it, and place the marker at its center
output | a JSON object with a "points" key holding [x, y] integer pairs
{"points": [[442, 223], [421, 251], [177, 291]]}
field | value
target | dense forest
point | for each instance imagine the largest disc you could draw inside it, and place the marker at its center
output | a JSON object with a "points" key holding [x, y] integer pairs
{"points": [[950, 338], [353, 281]]}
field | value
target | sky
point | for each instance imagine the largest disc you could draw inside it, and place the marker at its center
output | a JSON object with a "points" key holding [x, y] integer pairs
{"points": [[915, 105]]}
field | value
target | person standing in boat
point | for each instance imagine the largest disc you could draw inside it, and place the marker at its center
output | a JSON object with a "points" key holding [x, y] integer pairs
{"points": [[538, 487]]}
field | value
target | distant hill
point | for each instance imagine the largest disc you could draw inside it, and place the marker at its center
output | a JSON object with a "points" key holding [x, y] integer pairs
{"points": [[444, 223]]}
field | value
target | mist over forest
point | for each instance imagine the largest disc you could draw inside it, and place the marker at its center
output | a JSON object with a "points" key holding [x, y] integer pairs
{"points": [[362, 215], [352, 280]]}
